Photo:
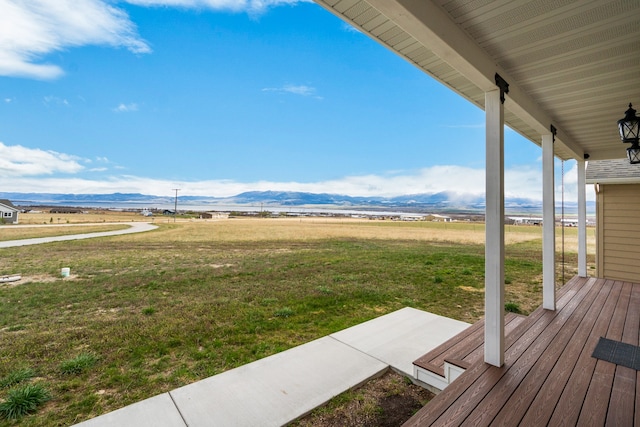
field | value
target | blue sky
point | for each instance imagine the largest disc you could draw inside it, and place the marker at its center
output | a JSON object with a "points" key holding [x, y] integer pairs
{"points": [[216, 97]]}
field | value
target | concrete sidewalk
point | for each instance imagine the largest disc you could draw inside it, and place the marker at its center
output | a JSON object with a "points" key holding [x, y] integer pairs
{"points": [[283, 387], [134, 227]]}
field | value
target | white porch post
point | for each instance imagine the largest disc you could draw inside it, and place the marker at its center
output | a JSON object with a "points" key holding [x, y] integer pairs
{"points": [[494, 243], [582, 220], [548, 225]]}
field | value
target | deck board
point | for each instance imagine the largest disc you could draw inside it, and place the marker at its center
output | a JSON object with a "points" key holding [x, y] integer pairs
{"points": [[623, 393], [544, 403], [549, 376], [515, 409], [599, 391]]}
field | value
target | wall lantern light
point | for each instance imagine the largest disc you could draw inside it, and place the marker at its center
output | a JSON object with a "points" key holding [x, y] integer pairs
{"points": [[630, 133]]}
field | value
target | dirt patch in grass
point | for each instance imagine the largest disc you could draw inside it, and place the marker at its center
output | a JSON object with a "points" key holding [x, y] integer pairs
{"points": [[39, 278], [387, 401], [471, 289]]}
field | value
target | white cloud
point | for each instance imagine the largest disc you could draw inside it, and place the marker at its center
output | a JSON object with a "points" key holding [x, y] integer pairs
{"points": [[25, 170], [302, 90], [8, 100], [54, 100], [350, 28], [126, 108], [520, 182], [18, 161], [253, 7], [30, 30]]}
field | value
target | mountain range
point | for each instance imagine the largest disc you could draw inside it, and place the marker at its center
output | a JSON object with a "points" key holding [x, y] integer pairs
{"points": [[435, 202]]}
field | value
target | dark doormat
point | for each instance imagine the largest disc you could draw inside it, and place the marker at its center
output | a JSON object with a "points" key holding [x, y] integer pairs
{"points": [[618, 352]]}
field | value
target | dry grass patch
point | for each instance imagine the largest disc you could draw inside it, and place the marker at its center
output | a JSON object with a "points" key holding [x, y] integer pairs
{"points": [[91, 216], [12, 232]]}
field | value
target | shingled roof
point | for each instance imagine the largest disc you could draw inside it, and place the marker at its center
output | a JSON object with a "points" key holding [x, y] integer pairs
{"points": [[7, 203], [618, 171]]}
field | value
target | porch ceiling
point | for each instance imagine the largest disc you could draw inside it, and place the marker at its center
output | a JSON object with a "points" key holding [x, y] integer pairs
{"points": [[573, 64]]}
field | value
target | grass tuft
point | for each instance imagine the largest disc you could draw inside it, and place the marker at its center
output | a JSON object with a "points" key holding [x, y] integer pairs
{"points": [[16, 377], [284, 312], [148, 311], [78, 364], [512, 307], [23, 400], [324, 289]]}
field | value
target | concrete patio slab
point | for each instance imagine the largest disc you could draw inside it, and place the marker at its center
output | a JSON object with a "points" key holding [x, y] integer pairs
{"points": [[278, 389], [158, 411], [399, 338]]}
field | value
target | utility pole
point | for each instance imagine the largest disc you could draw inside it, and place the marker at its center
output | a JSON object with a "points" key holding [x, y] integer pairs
{"points": [[175, 206]]}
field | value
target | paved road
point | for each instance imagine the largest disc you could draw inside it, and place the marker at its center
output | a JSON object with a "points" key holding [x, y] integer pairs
{"points": [[135, 227]]}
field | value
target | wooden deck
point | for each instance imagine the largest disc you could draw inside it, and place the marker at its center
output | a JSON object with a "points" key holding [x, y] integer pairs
{"points": [[549, 376]]}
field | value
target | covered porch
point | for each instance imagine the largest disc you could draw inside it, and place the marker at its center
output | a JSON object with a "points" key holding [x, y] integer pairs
{"points": [[560, 73]]}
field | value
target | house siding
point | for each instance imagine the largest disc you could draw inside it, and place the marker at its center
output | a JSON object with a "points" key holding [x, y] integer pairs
{"points": [[8, 214], [618, 237]]}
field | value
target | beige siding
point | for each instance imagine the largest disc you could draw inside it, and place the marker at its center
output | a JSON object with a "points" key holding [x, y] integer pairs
{"points": [[618, 208]]}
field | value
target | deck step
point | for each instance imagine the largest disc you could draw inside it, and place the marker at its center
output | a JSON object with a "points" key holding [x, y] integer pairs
{"points": [[442, 365]]}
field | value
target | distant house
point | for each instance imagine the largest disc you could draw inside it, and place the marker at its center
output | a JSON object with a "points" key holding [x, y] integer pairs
{"points": [[437, 218], [526, 220], [214, 215], [617, 186], [569, 222], [64, 210], [8, 212], [412, 217]]}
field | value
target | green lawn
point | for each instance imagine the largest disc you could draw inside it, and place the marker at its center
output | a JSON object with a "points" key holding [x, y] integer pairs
{"points": [[158, 310]]}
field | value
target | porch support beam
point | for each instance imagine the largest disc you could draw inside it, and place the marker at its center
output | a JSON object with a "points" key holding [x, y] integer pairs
{"points": [[582, 219], [548, 225], [494, 218]]}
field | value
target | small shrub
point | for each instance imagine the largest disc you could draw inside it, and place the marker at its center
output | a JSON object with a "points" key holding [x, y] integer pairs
{"points": [[284, 312], [148, 311], [23, 400], [512, 307], [78, 364], [16, 377], [438, 279]]}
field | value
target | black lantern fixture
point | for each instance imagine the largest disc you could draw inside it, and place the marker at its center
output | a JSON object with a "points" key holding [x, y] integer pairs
{"points": [[630, 133]]}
